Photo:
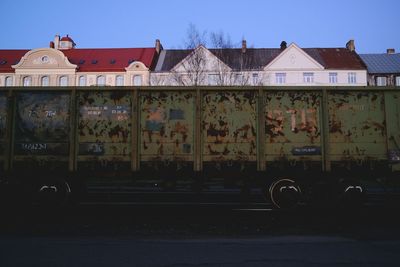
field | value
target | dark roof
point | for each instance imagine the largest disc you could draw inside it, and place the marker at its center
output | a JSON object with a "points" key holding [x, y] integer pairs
{"points": [[258, 58], [336, 58], [253, 59], [10, 57], [382, 63], [89, 60]]}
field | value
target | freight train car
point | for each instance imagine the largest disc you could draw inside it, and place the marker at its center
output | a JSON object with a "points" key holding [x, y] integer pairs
{"points": [[290, 144]]}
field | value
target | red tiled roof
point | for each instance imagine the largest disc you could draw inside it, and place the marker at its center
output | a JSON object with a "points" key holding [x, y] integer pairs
{"points": [[10, 57], [109, 59], [89, 60]]}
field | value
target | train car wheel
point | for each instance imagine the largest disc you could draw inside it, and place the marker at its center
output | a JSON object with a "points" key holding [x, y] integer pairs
{"points": [[53, 193], [285, 193]]}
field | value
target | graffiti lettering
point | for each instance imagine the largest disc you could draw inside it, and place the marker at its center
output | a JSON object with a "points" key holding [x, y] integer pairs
{"points": [[35, 146]]}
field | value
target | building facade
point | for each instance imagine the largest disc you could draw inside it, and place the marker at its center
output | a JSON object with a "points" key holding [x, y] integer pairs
{"points": [[284, 66], [62, 64], [383, 69]]}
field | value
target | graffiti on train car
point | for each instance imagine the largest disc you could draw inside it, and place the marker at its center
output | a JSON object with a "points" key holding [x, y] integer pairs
{"points": [[357, 126], [3, 121], [104, 125], [167, 126], [292, 124], [229, 126], [42, 124]]}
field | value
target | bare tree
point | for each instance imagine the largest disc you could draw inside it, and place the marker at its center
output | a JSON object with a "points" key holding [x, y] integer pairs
{"points": [[221, 43], [195, 63]]}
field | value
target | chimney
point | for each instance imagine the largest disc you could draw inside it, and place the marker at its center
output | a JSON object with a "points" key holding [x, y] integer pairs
{"points": [[51, 44], [159, 46], [390, 51], [57, 41], [244, 46], [350, 45], [283, 45]]}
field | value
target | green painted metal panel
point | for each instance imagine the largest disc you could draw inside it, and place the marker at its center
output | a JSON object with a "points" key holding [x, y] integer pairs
{"points": [[229, 126], [42, 123], [104, 125], [392, 102], [292, 126], [357, 127], [167, 126]]}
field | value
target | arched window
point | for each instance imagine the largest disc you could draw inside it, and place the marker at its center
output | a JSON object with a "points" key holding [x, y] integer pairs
{"points": [[44, 81], [101, 80], [9, 81], [27, 81], [63, 81], [82, 81], [137, 80], [119, 80]]}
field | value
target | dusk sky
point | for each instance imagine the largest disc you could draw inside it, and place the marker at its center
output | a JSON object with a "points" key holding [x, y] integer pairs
{"points": [[373, 24]]}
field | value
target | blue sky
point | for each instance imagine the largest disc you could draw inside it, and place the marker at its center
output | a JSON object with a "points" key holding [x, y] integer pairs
{"points": [[374, 24]]}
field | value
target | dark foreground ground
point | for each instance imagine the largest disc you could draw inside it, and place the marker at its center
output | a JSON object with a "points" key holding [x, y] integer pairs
{"points": [[199, 235]]}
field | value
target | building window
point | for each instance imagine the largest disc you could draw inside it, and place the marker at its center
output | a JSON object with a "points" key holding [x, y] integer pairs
{"points": [[381, 81], [332, 77], [27, 81], [9, 81], [255, 78], [398, 81], [352, 78], [44, 81], [238, 79], [137, 80], [212, 79], [308, 77], [101, 80], [280, 78], [119, 80], [63, 81], [82, 81]]}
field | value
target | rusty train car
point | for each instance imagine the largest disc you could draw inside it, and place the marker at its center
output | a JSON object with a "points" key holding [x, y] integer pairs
{"points": [[291, 145]]}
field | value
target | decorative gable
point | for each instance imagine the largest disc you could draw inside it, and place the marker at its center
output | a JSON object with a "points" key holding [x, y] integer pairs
{"points": [[44, 58], [294, 58], [201, 59]]}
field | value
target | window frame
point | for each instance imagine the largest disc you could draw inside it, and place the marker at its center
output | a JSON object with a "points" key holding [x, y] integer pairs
{"points": [[8, 81], [134, 80], [119, 78], [43, 78], [308, 77], [379, 80], [352, 78], [82, 77], [98, 80], [63, 80], [280, 77], [27, 81], [333, 77]]}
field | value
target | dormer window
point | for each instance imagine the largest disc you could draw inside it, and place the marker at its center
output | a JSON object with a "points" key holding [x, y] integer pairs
{"points": [[112, 61], [94, 61]]}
